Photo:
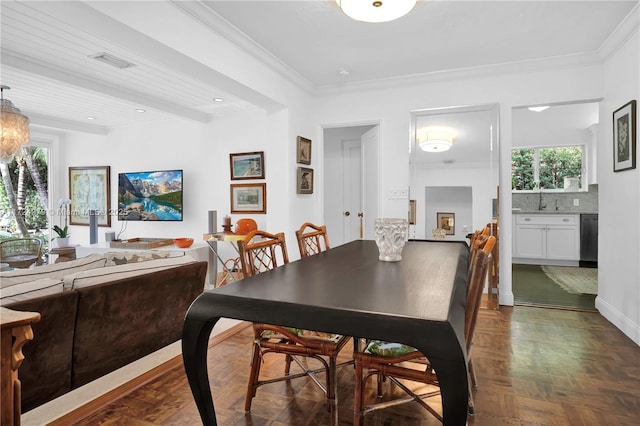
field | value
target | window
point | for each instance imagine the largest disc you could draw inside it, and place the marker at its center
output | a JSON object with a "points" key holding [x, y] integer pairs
{"points": [[545, 168]]}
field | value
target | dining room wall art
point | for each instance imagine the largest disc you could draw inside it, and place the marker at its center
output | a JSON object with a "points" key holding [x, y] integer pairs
{"points": [[303, 150], [624, 137], [247, 165], [304, 182], [248, 197], [447, 222]]}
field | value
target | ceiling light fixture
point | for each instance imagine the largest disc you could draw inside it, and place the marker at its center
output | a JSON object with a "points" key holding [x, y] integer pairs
{"points": [[14, 127], [218, 100], [538, 108], [435, 139], [376, 10], [140, 110]]}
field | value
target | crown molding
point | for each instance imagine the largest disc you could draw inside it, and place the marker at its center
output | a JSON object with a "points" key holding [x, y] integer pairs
{"points": [[629, 25], [202, 13]]}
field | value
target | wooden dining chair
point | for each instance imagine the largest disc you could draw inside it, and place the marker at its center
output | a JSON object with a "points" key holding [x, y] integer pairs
{"points": [[261, 251], [400, 363], [313, 240]]}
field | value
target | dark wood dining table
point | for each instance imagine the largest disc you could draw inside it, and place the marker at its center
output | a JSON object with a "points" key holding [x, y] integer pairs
{"points": [[418, 301]]}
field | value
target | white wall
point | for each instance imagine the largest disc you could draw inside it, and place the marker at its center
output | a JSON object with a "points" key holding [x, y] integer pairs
{"points": [[619, 200]]}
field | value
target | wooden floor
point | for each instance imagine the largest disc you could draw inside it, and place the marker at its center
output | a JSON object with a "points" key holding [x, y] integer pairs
{"points": [[535, 366]]}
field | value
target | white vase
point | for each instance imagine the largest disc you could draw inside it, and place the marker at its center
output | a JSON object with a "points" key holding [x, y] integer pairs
{"points": [[62, 242]]}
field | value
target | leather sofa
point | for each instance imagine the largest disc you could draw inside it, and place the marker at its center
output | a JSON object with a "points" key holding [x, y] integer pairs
{"points": [[97, 319]]}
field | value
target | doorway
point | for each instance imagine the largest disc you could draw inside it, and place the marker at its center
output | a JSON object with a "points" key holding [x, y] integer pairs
{"points": [[548, 260], [350, 181]]}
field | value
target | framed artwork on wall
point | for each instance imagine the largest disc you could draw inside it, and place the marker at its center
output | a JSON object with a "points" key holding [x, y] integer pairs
{"points": [[248, 198], [447, 222], [247, 165], [304, 183], [624, 137], [90, 189], [303, 151], [412, 212]]}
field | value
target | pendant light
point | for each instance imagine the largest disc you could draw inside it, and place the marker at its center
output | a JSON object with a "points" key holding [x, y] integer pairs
{"points": [[14, 126]]}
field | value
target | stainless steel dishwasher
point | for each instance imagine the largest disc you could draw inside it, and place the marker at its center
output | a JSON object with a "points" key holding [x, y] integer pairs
{"points": [[589, 240]]}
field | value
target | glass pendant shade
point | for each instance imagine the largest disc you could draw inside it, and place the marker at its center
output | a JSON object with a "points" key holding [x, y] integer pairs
{"points": [[376, 10], [435, 139], [15, 131]]}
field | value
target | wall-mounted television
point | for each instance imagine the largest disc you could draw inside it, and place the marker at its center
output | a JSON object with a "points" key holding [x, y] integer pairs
{"points": [[150, 196]]}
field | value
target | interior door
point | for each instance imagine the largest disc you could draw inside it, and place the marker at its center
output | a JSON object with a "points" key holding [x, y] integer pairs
{"points": [[370, 183], [352, 194]]}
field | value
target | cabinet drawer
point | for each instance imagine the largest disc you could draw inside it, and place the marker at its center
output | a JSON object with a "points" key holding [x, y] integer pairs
{"points": [[547, 219]]}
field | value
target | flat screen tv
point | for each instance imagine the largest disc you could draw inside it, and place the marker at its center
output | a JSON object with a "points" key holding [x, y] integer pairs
{"points": [[150, 196]]}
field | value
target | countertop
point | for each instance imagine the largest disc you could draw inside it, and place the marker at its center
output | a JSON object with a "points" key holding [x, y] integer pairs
{"points": [[551, 212]]}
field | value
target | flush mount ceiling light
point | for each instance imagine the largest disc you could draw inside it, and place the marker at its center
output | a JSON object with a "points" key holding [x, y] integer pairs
{"points": [[14, 128], [538, 108], [435, 139], [112, 60], [376, 10]]}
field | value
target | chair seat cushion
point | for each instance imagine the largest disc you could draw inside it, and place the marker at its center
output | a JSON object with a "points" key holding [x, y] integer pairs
{"points": [[381, 348], [307, 334]]}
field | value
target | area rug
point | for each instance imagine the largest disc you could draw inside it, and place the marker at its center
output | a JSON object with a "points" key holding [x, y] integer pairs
{"points": [[574, 280]]}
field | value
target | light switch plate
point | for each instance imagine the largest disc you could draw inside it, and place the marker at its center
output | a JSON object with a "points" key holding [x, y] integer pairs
{"points": [[576, 202]]}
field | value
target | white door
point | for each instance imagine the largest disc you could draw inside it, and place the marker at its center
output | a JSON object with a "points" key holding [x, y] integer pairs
{"points": [[352, 190]]}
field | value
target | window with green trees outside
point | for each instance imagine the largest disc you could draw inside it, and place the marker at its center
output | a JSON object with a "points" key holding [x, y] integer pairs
{"points": [[544, 168]]}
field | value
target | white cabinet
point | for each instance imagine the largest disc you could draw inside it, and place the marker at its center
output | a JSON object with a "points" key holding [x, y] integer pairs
{"points": [[546, 238]]}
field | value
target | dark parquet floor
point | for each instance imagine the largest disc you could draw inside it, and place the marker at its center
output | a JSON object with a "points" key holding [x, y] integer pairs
{"points": [[535, 367]]}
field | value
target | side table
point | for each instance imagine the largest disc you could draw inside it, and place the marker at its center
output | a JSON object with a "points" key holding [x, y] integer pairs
{"points": [[64, 253], [16, 331]]}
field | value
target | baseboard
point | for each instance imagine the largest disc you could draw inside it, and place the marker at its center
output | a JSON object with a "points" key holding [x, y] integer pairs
{"points": [[103, 400], [617, 318]]}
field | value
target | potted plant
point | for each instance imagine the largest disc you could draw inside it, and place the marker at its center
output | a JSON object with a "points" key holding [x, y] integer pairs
{"points": [[62, 233]]}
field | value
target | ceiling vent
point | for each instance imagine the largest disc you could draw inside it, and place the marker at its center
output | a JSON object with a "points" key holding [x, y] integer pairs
{"points": [[114, 61]]}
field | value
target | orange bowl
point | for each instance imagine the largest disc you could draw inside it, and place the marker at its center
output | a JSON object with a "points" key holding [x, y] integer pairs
{"points": [[183, 242], [246, 225]]}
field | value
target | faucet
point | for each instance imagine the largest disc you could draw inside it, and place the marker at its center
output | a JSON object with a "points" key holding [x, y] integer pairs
{"points": [[541, 203]]}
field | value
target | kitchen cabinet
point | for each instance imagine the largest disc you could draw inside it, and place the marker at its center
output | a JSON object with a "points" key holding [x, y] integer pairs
{"points": [[546, 239]]}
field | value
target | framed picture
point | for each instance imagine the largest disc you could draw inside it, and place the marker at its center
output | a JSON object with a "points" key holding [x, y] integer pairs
{"points": [[90, 189], [303, 151], [624, 137], [304, 183], [446, 221], [412, 212], [248, 198], [247, 165]]}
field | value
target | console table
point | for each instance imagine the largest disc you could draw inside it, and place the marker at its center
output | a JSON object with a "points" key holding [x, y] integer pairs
{"points": [[16, 331]]}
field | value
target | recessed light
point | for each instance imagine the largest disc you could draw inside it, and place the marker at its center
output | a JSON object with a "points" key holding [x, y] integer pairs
{"points": [[344, 72], [538, 108], [140, 110], [91, 118], [218, 100]]}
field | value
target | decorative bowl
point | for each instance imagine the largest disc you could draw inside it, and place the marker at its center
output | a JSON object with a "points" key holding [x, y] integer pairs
{"points": [[183, 242], [246, 225]]}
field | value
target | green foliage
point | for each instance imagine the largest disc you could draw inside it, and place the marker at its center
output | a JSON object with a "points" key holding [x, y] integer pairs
{"points": [[174, 198], [554, 164], [522, 169], [61, 232]]}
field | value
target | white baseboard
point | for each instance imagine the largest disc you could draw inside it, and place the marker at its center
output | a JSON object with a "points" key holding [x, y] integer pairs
{"points": [[615, 317]]}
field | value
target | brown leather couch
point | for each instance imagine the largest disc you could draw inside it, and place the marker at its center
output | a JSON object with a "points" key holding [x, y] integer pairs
{"points": [[92, 330]]}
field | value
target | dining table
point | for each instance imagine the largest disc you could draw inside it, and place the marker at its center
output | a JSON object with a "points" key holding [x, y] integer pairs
{"points": [[418, 300]]}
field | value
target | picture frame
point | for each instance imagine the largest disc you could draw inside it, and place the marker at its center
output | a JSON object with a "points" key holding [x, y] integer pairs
{"points": [[304, 183], [90, 189], [248, 197], [624, 137], [412, 212], [247, 165], [446, 221], [303, 150]]}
